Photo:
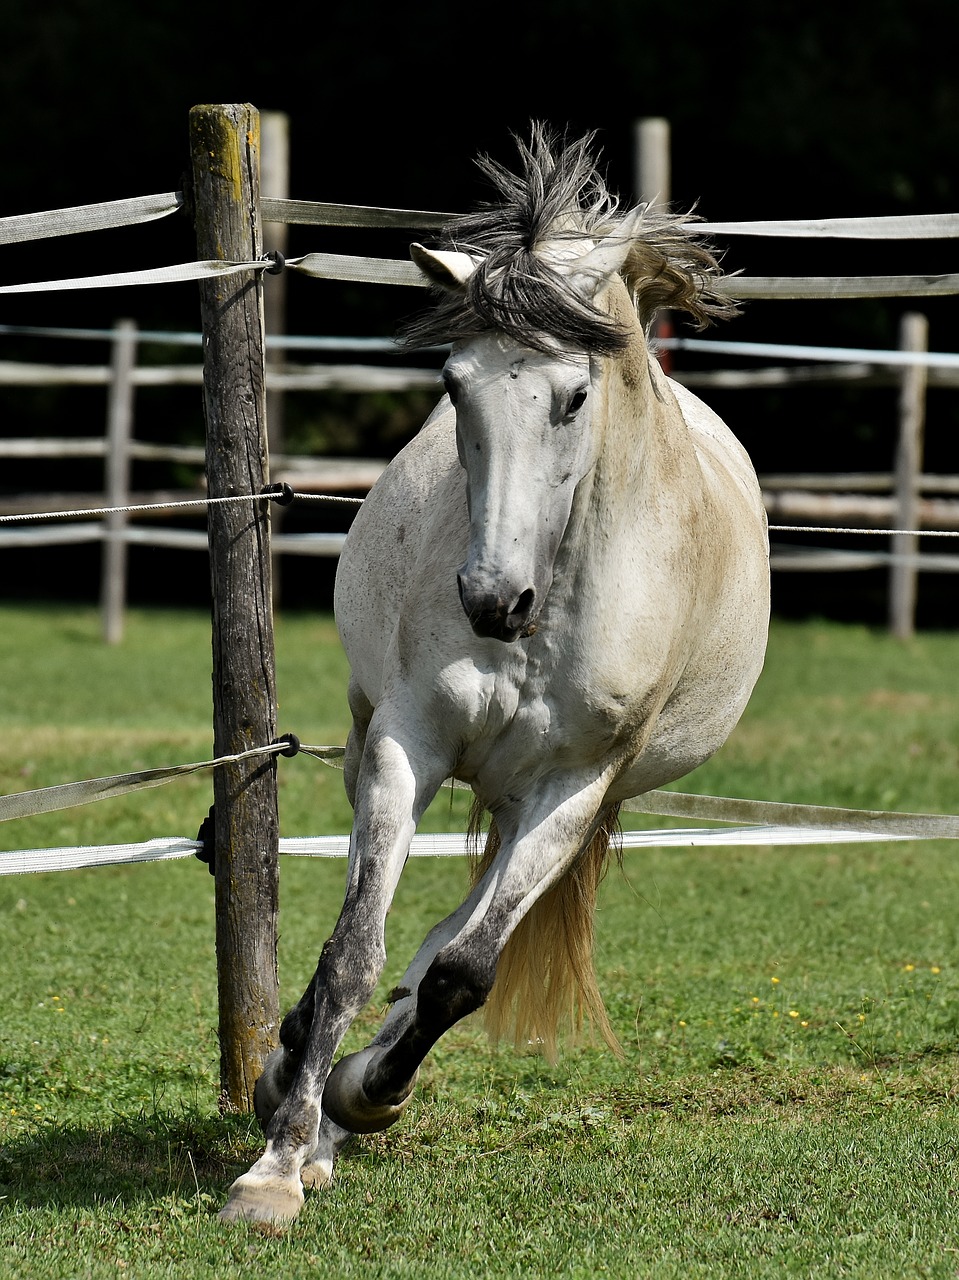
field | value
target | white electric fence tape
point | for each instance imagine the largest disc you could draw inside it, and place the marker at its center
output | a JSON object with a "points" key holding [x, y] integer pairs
{"points": [[751, 288], [24, 804], [153, 275], [334, 266], [21, 228], [773, 822], [799, 351], [913, 226], [88, 217], [446, 845]]}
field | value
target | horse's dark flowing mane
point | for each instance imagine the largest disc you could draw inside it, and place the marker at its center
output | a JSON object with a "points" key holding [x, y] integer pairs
{"points": [[559, 195]]}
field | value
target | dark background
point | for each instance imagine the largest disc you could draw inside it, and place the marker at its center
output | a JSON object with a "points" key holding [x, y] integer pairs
{"points": [[798, 110]]}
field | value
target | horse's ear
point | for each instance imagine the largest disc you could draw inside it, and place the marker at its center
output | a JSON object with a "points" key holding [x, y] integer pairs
{"points": [[443, 267], [590, 271]]}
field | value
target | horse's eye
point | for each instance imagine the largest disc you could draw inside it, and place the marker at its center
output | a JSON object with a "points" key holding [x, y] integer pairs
{"points": [[449, 385], [576, 402]]}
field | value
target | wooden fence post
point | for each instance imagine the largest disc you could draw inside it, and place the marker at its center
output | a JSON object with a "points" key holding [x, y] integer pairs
{"points": [[113, 571], [651, 163], [904, 574], [225, 143], [275, 182], [652, 160]]}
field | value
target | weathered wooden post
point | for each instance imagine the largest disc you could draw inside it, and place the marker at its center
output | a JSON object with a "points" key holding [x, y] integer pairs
{"points": [[113, 571], [904, 574], [652, 160], [275, 182], [652, 175], [225, 143]]}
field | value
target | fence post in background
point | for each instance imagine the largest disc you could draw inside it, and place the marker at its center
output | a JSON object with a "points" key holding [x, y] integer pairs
{"points": [[113, 570], [275, 182], [225, 145], [903, 576], [651, 152], [651, 179]]}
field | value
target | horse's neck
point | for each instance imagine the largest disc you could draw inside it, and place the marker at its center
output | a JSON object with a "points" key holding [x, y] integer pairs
{"points": [[632, 516], [645, 441], [646, 449]]}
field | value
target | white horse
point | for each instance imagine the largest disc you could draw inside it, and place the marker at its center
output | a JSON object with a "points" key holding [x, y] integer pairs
{"points": [[557, 593]]}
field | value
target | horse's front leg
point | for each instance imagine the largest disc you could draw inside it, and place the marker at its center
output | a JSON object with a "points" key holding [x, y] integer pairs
{"points": [[279, 1073], [397, 780], [453, 972]]}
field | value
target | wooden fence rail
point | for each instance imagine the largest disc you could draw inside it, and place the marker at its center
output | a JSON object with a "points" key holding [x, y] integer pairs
{"points": [[122, 376], [907, 498]]}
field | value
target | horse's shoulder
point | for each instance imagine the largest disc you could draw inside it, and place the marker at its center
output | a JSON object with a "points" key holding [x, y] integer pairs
{"points": [[698, 416], [712, 437], [416, 467]]}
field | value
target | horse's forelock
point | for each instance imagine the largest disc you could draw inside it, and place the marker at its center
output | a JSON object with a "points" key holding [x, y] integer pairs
{"points": [[559, 196]]}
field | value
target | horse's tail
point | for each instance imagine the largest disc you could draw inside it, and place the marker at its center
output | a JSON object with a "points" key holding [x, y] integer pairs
{"points": [[545, 979]]}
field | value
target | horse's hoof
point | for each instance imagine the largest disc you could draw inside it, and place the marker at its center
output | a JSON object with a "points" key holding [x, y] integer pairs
{"points": [[345, 1101], [317, 1175], [261, 1200]]}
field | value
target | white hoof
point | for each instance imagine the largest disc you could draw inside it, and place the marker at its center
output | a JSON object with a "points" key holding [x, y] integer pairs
{"points": [[255, 1199], [345, 1100]]}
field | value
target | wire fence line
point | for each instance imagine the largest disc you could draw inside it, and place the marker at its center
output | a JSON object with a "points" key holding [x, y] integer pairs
{"points": [[358, 502], [185, 503]]}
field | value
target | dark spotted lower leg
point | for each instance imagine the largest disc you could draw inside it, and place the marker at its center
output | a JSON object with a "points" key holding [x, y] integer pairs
{"points": [[394, 789]]}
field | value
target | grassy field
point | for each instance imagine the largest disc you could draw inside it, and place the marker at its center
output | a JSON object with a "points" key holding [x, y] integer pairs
{"points": [[786, 1104]]}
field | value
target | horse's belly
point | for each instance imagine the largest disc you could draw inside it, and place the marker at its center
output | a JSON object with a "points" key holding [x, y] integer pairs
{"points": [[704, 706]]}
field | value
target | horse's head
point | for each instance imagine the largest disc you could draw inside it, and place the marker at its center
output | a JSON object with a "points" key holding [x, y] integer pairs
{"points": [[523, 300], [523, 436], [526, 434]]}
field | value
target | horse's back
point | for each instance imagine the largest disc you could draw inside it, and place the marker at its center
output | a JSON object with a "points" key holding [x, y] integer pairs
{"points": [[716, 443]]}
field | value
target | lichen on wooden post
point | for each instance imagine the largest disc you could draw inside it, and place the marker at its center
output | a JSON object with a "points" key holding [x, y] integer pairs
{"points": [[225, 158]]}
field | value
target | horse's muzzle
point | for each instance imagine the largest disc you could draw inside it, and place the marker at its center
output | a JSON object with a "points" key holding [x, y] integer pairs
{"points": [[495, 619]]}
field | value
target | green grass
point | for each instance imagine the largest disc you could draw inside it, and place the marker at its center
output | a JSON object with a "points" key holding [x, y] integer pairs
{"points": [[786, 1104]]}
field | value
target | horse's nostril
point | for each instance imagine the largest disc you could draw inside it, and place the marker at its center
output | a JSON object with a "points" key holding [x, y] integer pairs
{"points": [[525, 602]]}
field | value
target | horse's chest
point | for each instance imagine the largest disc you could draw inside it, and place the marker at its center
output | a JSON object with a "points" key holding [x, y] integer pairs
{"points": [[534, 715]]}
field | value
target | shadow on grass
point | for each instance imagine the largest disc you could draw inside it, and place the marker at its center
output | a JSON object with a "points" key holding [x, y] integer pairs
{"points": [[185, 1160]]}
